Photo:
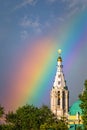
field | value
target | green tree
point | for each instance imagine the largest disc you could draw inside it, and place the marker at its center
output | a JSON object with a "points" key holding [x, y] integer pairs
{"points": [[6, 127], [55, 125], [1, 110], [83, 105], [52, 123], [29, 117], [11, 117], [79, 128], [25, 118], [45, 114]]}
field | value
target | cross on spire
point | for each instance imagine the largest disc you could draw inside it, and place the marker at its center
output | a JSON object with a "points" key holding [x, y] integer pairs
{"points": [[59, 51]]}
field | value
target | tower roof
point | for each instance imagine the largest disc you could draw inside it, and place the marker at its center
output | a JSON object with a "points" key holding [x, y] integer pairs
{"points": [[59, 78], [75, 108]]}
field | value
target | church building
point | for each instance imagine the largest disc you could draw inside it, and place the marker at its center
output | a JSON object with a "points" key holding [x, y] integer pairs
{"points": [[59, 99], [59, 92]]}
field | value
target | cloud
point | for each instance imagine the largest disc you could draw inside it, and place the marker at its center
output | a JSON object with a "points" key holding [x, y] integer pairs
{"points": [[73, 12], [24, 34], [61, 19], [75, 3], [26, 2], [28, 22], [74, 6], [38, 30], [29, 26], [78, 3], [52, 1]]}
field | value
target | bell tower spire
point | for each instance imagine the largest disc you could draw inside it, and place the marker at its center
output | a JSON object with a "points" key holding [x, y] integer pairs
{"points": [[59, 93], [59, 78]]}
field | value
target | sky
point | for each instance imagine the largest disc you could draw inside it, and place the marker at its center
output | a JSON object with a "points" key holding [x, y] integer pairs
{"points": [[31, 32]]}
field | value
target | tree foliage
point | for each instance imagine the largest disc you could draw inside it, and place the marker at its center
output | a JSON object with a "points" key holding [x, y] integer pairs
{"points": [[6, 127], [54, 125], [83, 105], [79, 128], [29, 117], [25, 118], [1, 110]]}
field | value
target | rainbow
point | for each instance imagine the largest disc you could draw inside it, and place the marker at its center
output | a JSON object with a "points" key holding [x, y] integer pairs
{"points": [[33, 76]]}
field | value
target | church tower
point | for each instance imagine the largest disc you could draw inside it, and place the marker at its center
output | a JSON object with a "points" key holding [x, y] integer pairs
{"points": [[59, 93]]}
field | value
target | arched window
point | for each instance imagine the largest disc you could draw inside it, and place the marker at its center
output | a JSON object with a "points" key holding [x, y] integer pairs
{"points": [[63, 99], [58, 103]]}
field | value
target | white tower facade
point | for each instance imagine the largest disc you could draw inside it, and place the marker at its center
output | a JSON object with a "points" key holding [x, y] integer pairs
{"points": [[59, 93]]}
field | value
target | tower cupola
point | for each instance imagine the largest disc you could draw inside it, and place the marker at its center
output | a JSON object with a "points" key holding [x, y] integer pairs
{"points": [[59, 59]]}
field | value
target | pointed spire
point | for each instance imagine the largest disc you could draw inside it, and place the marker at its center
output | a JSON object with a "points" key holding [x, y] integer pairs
{"points": [[59, 77]]}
